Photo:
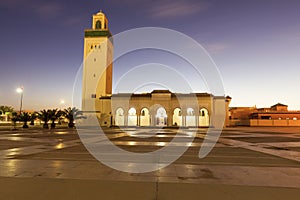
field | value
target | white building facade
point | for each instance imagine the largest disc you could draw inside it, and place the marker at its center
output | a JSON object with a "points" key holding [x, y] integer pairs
{"points": [[158, 108]]}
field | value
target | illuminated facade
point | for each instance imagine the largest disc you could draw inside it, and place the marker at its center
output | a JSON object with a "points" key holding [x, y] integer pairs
{"points": [[276, 115], [158, 108]]}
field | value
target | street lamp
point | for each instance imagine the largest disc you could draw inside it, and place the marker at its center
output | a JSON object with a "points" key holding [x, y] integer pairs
{"points": [[20, 90], [61, 103]]}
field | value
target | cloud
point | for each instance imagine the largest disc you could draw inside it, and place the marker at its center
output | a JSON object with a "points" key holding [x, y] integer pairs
{"points": [[48, 9], [170, 9], [45, 9], [11, 3], [71, 21], [215, 48]]}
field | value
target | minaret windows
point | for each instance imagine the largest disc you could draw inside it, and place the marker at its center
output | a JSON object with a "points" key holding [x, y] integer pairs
{"points": [[98, 24]]}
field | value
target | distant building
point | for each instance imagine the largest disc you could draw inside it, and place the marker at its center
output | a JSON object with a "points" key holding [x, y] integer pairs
{"points": [[276, 115]]}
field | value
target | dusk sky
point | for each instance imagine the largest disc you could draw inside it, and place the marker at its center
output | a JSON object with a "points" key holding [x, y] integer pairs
{"points": [[254, 43]]}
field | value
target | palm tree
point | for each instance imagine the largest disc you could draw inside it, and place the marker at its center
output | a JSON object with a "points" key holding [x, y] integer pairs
{"points": [[33, 116], [14, 119], [6, 110], [53, 116], [25, 117], [44, 116], [72, 114]]}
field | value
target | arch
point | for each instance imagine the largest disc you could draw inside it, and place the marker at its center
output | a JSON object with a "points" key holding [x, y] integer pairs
{"points": [[98, 24], [132, 117], [204, 117], [177, 117], [161, 117], [119, 117], [145, 117], [190, 117]]}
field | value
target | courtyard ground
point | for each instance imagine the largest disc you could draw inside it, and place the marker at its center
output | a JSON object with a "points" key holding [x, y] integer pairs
{"points": [[246, 163]]}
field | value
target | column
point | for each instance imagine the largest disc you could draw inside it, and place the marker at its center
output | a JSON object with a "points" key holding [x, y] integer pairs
{"points": [[138, 120]]}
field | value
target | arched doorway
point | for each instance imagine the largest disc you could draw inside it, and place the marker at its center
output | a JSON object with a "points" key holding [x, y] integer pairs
{"points": [[190, 117], [119, 117], [203, 117], [177, 117], [132, 117], [161, 117], [145, 117]]}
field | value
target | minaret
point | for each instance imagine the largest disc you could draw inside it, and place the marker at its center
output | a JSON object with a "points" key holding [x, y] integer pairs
{"points": [[97, 65]]}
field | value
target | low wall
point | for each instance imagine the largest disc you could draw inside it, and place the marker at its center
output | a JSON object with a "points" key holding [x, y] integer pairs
{"points": [[274, 122], [236, 122]]}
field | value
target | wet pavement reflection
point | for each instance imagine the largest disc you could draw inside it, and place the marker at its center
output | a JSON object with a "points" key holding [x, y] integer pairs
{"points": [[242, 156]]}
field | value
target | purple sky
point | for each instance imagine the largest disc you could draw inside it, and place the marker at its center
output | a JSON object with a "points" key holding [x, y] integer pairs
{"points": [[255, 44]]}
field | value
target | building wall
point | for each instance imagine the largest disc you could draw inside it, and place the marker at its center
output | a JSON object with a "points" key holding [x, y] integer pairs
{"points": [[194, 110], [274, 122], [277, 115]]}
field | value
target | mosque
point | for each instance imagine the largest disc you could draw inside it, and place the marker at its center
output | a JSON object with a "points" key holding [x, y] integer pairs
{"points": [[158, 108]]}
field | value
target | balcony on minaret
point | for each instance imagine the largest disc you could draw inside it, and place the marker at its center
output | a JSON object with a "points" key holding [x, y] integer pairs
{"points": [[99, 26]]}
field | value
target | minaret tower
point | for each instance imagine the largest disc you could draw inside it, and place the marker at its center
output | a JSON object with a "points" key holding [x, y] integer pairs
{"points": [[97, 65]]}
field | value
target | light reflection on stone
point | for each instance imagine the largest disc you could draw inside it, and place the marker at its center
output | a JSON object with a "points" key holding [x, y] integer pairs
{"points": [[59, 146]]}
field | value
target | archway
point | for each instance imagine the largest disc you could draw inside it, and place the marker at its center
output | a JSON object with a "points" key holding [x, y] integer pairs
{"points": [[177, 117], [119, 117], [98, 24], [145, 117], [161, 117], [203, 117], [132, 117], [190, 117]]}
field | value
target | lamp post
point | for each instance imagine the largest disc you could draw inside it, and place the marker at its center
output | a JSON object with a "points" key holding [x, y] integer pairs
{"points": [[20, 90], [61, 103]]}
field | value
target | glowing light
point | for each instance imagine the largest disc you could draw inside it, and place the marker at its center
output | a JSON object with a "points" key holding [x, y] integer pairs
{"points": [[161, 144], [59, 146], [20, 90], [131, 143]]}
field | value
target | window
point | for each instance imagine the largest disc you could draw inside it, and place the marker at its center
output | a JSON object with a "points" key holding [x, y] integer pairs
{"points": [[143, 113], [98, 24], [295, 118], [266, 117], [93, 96]]}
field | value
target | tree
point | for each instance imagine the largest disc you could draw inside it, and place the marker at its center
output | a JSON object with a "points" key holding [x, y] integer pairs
{"points": [[72, 114], [5, 109], [54, 114], [44, 116], [33, 116], [24, 117], [14, 119]]}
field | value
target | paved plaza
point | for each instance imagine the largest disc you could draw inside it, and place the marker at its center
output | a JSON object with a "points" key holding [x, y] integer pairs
{"points": [[246, 163]]}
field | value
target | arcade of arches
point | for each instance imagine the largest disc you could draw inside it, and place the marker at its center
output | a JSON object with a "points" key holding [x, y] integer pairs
{"points": [[160, 108], [159, 117]]}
